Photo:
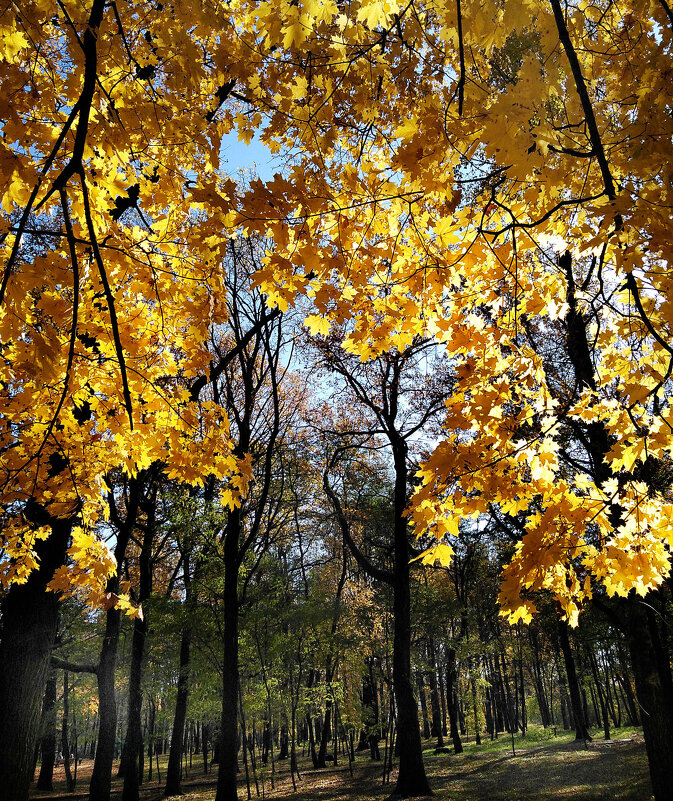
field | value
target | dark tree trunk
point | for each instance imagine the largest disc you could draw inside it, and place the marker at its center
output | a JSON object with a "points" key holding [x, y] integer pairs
{"points": [[585, 706], [498, 696], [488, 713], [175, 754], [293, 746], [101, 776], [133, 744], [442, 701], [599, 690], [539, 677], [594, 703], [205, 736], [29, 620], [284, 744], [566, 712], [654, 698], [48, 741], [611, 702], [424, 705], [436, 730], [65, 741], [452, 699], [256, 367], [524, 711], [150, 739], [475, 709], [623, 677], [507, 697], [226, 780], [370, 702], [581, 730], [324, 736], [134, 739], [411, 779], [311, 740], [329, 673]]}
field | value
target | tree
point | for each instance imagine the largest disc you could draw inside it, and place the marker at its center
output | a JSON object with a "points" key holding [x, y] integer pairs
{"points": [[440, 157], [251, 390], [147, 549], [189, 522], [94, 263], [385, 394], [24, 660], [48, 739]]}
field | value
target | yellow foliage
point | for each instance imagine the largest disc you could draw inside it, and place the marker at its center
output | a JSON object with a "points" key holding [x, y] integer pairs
{"points": [[423, 196]]}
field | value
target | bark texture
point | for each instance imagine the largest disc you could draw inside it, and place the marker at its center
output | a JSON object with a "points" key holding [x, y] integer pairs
{"points": [[29, 621]]}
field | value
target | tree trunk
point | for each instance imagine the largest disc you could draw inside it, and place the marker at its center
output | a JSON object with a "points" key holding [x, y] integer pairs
{"points": [[311, 739], [490, 727], [566, 713], [324, 736], [442, 700], [411, 779], [29, 616], [205, 736], [654, 699], [475, 710], [539, 677], [599, 690], [175, 753], [65, 742], [581, 730], [624, 679], [48, 741], [133, 741], [101, 776], [436, 729], [150, 739], [611, 702], [498, 696], [524, 710], [226, 780], [284, 743], [507, 697], [370, 702], [133, 744], [424, 705], [452, 699]]}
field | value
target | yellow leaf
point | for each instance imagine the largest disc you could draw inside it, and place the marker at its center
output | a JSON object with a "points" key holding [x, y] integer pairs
{"points": [[317, 324], [441, 553], [11, 43]]}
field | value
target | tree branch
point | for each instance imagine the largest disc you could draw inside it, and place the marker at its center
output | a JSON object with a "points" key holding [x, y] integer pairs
{"points": [[594, 135], [65, 664], [371, 569], [217, 369]]}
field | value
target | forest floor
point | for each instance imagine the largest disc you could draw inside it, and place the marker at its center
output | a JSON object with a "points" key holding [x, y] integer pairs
{"points": [[542, 767]]}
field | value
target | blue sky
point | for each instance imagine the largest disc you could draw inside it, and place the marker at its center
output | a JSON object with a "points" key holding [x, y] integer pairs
{"points": [[237, 155]]}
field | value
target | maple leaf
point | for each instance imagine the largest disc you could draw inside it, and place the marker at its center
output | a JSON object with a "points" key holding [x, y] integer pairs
{"points": [[441, 553], [317, 324]]}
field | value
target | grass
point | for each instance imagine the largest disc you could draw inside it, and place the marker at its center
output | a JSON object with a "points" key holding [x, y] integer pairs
{"points": [[543, 767]]}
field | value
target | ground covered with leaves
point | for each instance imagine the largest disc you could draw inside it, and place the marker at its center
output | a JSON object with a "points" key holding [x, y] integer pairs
{"points": [[542, 767]]}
